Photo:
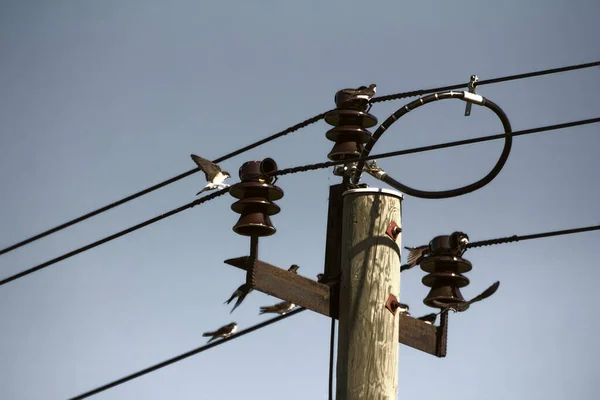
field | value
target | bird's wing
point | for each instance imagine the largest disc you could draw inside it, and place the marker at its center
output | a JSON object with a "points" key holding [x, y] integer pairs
{"points": [[429, 317], [209, 168], [486, 293], [414, 253], [223, 330], [209, 333]]}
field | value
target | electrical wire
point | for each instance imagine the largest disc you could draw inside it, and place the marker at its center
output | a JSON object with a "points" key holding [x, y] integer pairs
{"points": [[291, 129], [303, 168], [440, 146], [113, 237], [185, 355], [443, 194], [486, 81], [174, 179], [516, 238], [300, 309]]}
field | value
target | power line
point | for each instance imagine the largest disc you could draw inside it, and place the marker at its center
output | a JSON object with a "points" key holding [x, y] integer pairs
{"points": [[198, 350], [291, 129], [286, 171], [422, 149], [174, 179], [516, 238], [113, 237], [185, 355], [486, 81]]}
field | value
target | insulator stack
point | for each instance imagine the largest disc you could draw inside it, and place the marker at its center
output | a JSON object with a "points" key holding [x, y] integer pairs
{"points": [[350, 132], [256, 194], [445, 267]]}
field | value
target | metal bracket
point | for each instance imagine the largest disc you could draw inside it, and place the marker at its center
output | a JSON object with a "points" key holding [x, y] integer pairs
{"points": [[392, 304], [471, 87], [393, 230]]}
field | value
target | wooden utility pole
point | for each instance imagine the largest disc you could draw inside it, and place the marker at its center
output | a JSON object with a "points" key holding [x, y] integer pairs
{"points": [[367, 362]]}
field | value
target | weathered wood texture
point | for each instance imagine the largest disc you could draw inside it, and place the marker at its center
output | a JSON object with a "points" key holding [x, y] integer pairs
{"points": [[288, 286], [367, 364]]}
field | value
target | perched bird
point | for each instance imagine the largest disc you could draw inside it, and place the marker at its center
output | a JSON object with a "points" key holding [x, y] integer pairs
{"points": [[403, 309], [212, 172], [461, 307], [321, 278], [293, 268], [415, 255], [458, 246], [459, 242], [358, 97], [222, 332], [241, 294], [279, 308], [429, 318]]}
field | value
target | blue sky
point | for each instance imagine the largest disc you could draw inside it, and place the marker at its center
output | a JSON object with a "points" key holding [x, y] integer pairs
{"points": [[102, 99]]}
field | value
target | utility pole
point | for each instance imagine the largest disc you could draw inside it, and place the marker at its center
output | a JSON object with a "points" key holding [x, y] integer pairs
{"points": [[367, 363]]}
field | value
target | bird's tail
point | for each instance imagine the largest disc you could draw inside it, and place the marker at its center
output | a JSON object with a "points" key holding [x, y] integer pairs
{"points": [[230, 299], [405, 267], [211, 339], [264, 310], [238, 302], [203, 189], [205, 334]]}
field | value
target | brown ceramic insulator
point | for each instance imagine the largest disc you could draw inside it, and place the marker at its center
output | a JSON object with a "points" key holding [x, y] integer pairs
{"points": [[346, 133], [445, 279], [256, 189], [350, 117], [441, 263], [254, 224], [345, 151], [445, 295], [255, 204]]}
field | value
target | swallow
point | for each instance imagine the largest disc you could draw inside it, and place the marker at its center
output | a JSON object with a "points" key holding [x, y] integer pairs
{"points": [[429, 318], [241, 294], [403, 309], [222, 332], [415, 256], [279, 308], [355, 97], [321, 278], [293, 268], [213, 173], [461, 307], [459, 242]]}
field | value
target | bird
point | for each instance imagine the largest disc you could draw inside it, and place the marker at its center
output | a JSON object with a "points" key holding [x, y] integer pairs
{"points": [[355, 97], [415, 256], [213, 173], [279, 308], [222, 332], [459, 242], [458, 246], [321, 278], [403, 309], [429, 318], [241, 294], [293, 268], [461, 307]]}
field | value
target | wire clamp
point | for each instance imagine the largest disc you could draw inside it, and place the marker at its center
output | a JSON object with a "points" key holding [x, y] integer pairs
{"points": [[472, 89]]}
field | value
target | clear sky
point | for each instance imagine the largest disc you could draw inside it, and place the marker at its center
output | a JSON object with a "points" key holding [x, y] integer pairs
{"points": [[102, 99]]}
